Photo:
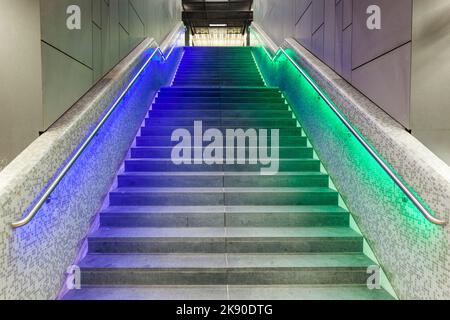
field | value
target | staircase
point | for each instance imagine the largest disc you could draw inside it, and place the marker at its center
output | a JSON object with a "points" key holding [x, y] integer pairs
{"points": [[223, 231]]}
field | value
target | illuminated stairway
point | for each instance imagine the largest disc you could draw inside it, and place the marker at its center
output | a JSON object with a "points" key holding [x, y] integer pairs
{"points": [[223, 231]]}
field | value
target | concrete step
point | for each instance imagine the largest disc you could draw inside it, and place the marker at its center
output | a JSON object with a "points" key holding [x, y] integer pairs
{"points": [[223, 196], [212, 114], [244, 106], [151, 165], [202, 63], [165, 141], [238, 100], [218, 77], [168, 130], [225, 240], [166, 152], [227, 292], [217, 72], [207, 83], [222, 179], [198, 65], [219, 93], [230, 59], [222, 269], [222, 89], [220, 216], [223, 122]]}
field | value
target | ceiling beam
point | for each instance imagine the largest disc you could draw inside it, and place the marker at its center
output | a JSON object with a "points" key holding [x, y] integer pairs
{"points": [[203, 13]]}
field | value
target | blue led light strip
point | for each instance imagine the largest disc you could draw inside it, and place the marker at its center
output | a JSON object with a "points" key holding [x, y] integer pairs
{"points": [[70, 162]]}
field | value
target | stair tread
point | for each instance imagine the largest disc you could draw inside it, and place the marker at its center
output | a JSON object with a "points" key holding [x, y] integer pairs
{"points": [[222, 209], [223, 190], [225, 232], [196, 190], [218, 173], [226, 89], [170, 160], [226, 261], [224, 292]]}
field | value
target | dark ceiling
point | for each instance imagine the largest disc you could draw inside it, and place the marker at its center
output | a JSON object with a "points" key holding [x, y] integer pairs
{"points": [[199, 15]]}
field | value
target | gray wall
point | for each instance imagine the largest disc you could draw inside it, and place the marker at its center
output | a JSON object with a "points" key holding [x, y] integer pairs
{"points": [[110, 30], [404, 67], [50, 67], [375, 62], [430, 104], [20, 77]]}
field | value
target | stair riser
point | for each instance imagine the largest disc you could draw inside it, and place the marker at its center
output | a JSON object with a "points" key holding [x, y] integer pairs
{"points": [[200, 220], [286, 220], [176, 199], [164, 220], [158, 153], [230, 199], [217, 72], [189, 107], [220, 100], [220, 181], [223, 94], [154, 130], [218, 77], [222, 89], [214, 115], [208, 83], [217, 245], [235, 58], [219, 277], [229, 73], [204, 64], [230, 123], [162, 166], [169, 181], [166, 141]]}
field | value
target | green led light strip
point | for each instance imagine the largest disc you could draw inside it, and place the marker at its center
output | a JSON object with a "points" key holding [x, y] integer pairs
{"points": [[386, 167]]}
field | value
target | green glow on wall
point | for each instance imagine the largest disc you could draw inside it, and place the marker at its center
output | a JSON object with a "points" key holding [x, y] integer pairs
{"points": [[312, 109], [411, 250]]}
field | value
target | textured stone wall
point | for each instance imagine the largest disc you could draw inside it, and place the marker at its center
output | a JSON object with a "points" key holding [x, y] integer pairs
{"points": [[413, 252]]}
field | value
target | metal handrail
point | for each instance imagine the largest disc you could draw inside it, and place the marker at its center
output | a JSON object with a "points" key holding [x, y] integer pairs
{"points": [[57, 179], [411, 196]]}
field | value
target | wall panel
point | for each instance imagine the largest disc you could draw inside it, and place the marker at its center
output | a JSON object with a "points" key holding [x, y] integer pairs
{"points": [[20, 77], [336, 32], [109, 31]]}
